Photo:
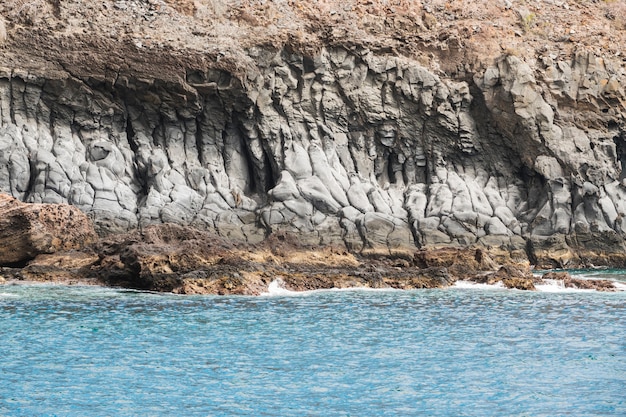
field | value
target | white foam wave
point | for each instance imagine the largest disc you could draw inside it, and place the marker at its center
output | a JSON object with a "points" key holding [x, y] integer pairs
{"points": [[555, 285], [277, 287], [620, 285], [476, 285], [363, 289], [7, 295]]}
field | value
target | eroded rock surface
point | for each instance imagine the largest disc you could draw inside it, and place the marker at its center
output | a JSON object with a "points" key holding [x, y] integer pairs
{"points": [[27, 230], [184, 260], [343, 143]]}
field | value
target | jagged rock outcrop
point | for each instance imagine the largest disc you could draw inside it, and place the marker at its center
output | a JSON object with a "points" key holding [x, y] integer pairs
{"points": [[185, 260], [341, 144], [27, 230]]}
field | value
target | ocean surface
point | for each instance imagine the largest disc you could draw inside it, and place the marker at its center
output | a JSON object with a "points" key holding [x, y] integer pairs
{"points": [[465, 351]]}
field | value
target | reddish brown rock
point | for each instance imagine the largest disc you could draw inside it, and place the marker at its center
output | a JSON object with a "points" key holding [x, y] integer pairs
{"points": [[463, 263], [519, 283], [188, 261], [158, 257], [27, 230], [511, 276]]}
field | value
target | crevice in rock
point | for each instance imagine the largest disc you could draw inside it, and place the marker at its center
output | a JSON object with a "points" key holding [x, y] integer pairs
{"points": [[620, 148], [255, 179], [429, 166], [158, 133], [308, 64], [130, 134], [530, 252], [18, 264], [11, 101], [28, 195], [269, 172], [390, 169], [198, 137], [417, 239], [536, 189], [134, 146], [260, 168]]}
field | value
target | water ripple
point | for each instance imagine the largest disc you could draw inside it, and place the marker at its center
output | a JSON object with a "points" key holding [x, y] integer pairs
{"points": [[80, 351]]}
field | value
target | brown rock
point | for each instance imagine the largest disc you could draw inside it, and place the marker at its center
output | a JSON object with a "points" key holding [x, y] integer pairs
{"points": [[557, 275], [591, 284], [511, 276], [583, 284], [67, 267], [163, 258], [27, 230], [188, 261], [424, 278], [519, 283], [462, 263], [230, 283], [552, 252]]}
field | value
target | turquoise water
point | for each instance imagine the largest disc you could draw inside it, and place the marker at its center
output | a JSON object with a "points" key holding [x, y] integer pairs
{"points": [[87, 351]]}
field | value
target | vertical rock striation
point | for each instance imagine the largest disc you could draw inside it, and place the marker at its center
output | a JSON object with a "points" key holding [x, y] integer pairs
{"points": [[345, 146]]}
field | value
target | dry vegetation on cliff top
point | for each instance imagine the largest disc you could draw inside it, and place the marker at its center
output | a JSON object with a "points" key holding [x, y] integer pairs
{"points": [[473, 30]]}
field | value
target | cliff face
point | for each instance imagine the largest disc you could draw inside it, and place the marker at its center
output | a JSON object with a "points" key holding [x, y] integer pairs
{"points": [[341, 143]]}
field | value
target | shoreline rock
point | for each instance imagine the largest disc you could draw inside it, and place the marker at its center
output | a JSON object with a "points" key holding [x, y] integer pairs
{"points": [[29, 230], [183, 260], [581, 284], [381, 129]]}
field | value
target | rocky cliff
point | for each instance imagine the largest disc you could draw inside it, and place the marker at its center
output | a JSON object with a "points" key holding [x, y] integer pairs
{"points": [[393, 131]]}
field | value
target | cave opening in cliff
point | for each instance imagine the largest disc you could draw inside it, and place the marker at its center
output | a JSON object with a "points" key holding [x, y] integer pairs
{"points": [[261, 178], [535, 184]]}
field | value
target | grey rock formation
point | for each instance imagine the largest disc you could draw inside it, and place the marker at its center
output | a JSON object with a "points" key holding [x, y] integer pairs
{"points": [[350, 147]]}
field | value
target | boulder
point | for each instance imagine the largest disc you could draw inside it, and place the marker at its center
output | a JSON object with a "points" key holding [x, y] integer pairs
{"points": [[27, 230]]}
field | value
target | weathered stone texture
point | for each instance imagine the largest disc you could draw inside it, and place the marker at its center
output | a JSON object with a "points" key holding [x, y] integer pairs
{"points": [[27, 230], [351, 147]]}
